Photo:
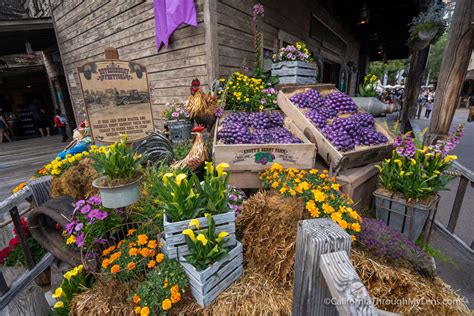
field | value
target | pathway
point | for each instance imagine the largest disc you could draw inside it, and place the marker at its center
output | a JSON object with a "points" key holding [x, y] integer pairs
{"points": [[21, 159]]}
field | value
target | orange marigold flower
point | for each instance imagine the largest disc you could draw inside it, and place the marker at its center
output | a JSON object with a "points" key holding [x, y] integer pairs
{"points": [[175, 298], [132, 244], [145, 311], [166, 304], [120, 243], [115, 268], [174, 289], [142, 239], [138, 309], [133, 252], [165, 283], [151, 264], [136, 298], [115, 256], [107, 251], [105, 263], [131, 266], [130, 232], [145, 252], [160, 257], [152, 243]]}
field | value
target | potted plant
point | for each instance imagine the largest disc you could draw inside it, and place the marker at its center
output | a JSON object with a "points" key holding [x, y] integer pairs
{"points": [[120, 168], [410, 182], [185, 198], [210, 266], [177, 121], [294, 64], [427, 27]]}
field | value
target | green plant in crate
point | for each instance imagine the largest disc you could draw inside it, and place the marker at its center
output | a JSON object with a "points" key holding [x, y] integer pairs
{"points": [[418, 171], [180, 196], [368, 87], [75, 281], [161, 289], [207, 246], [214, 188], [118, 163]]}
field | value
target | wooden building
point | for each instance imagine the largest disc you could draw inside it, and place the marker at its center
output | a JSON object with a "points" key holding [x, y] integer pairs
{"points": [[339, 34]]}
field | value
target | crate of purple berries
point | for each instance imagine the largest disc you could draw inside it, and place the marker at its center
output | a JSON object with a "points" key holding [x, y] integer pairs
{"points": [[253, 141], [346, 136]]}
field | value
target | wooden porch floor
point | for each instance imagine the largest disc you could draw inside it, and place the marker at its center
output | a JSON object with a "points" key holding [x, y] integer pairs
{"points": [[20, 160]]}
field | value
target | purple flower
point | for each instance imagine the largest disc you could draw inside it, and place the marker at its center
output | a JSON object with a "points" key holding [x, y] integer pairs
{"points": [[78, 227], [79, 203], [94, 200], [101, 241], [86, 209], [80, 240], [101, 215], [70, 226], [258, 10], [175, 115]]}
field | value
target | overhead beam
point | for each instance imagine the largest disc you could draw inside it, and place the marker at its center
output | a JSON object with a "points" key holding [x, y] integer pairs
{"points": [[25, 25]]}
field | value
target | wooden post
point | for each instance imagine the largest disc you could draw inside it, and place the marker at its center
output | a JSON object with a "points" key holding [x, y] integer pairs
{"points": [[453, 70], [3, 285], [311, 295], [212, 52], [22, 237], [453, 219]]}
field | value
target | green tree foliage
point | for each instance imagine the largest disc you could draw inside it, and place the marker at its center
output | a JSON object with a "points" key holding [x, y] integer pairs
{"points": [[378, 68]]}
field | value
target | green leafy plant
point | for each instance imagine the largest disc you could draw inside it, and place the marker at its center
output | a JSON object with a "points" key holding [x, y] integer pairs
{"points": [[418, 171], [75, 281], [207, 247], [118, 163], [213, 189], [174, 111], [161, 289], [433, 17], [368, 87]]}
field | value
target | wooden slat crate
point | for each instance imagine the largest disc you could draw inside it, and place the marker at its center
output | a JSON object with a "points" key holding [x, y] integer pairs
{"points": [[174, 243], [245, 157], [295, 72], [207, 284], [337, 160]]}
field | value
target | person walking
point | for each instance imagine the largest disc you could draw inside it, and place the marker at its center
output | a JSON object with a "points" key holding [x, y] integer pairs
{"points": [[428, 108], [40, 118], [3, 128], [60, 123]]}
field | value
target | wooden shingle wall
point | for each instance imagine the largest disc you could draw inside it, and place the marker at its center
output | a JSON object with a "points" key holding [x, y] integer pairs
{"points": [[85, 28]]}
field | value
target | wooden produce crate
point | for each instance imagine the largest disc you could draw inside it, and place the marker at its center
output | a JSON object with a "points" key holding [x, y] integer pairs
{"points": [[207, 284], [256, 157], [337, 160], [299, 72], [174, 243]]}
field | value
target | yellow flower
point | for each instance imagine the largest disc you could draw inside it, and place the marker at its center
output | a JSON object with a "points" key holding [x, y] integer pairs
{"points": [[138, 309], [59, 305], [402, 173], [151, 264], [166, 304], [319, 196], [413, 161], [220, 168], [145, 311], [58, 293], [189, 232], [335, 186], [276, 167], [160, 257], [133, 252], [343, 224], [152, 244], [166, 176], [202, 239], [131, 232], [174, 289], [68, 275], [145, 252], [449, 158], [292, 192], [180, 177], [355, 227], [313, 171], [142, 239], [71, 240], [275, 184], [398, 162], [175, 297], [221, 236], [283, 190], [194, 222], [328, 209]]}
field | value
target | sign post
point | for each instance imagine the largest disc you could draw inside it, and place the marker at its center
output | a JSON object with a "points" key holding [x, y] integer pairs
{"points": [[116, 98]]}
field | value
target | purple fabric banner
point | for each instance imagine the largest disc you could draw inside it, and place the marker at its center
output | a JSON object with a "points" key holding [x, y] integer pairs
{"points": [[169, 15]]}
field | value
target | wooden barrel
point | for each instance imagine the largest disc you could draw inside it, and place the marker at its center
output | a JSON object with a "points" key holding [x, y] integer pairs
{"points": [[42, 222]]}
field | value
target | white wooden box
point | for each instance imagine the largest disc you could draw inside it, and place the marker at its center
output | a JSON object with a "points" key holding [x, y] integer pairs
{"points": [[174, 243], [207, 284], [297, 72]]}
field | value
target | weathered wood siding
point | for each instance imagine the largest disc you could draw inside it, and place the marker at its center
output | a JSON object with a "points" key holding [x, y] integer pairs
{"points": [[84, 28], [236, 29]]}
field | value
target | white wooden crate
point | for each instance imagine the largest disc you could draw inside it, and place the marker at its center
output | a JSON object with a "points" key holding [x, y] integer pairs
{"points": [[207, 284], [174, 243], [297, 72]]}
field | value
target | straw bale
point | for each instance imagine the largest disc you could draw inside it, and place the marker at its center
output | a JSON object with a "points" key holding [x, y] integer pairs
{"points": [[76, 181]]}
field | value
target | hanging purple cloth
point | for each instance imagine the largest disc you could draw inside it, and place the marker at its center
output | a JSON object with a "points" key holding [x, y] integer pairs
{"points": [[169, 15]]}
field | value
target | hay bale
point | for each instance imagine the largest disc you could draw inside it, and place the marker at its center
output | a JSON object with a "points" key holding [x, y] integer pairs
{"points": [[76, 181], [253, 294], [106, 297], [404, 287], [267, 230]]}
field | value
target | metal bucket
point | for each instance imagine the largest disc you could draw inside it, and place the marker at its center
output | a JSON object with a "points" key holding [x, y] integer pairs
{"points": [[180, 131], [118, 196]]}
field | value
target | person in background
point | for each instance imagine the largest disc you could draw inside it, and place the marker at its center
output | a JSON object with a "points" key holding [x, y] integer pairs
{"points": [[60, 123], [40, 118], [3, 128], [429, 108]]}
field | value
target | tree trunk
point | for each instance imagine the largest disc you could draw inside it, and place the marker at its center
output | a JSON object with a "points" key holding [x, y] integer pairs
{"points": [[453, 70], [412, 87]]}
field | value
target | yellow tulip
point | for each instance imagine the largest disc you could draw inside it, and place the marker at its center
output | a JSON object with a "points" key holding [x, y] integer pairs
{"points": [[220, 168], [166, 176], [221, 236], [80, 268], [202, 239], [402, 173], [398, 162], [189, 233], [413, 161], [59, 305], [209, 167], [194, 222], [180, 177], [450, 157], [58, 293], [68, 275]]}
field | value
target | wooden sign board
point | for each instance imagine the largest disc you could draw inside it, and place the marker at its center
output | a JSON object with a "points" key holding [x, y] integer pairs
{"points": [[117, 100]]}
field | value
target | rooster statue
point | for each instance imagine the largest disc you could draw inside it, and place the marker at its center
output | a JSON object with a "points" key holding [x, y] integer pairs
{"points": [[198, 153], [201, 106]]}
